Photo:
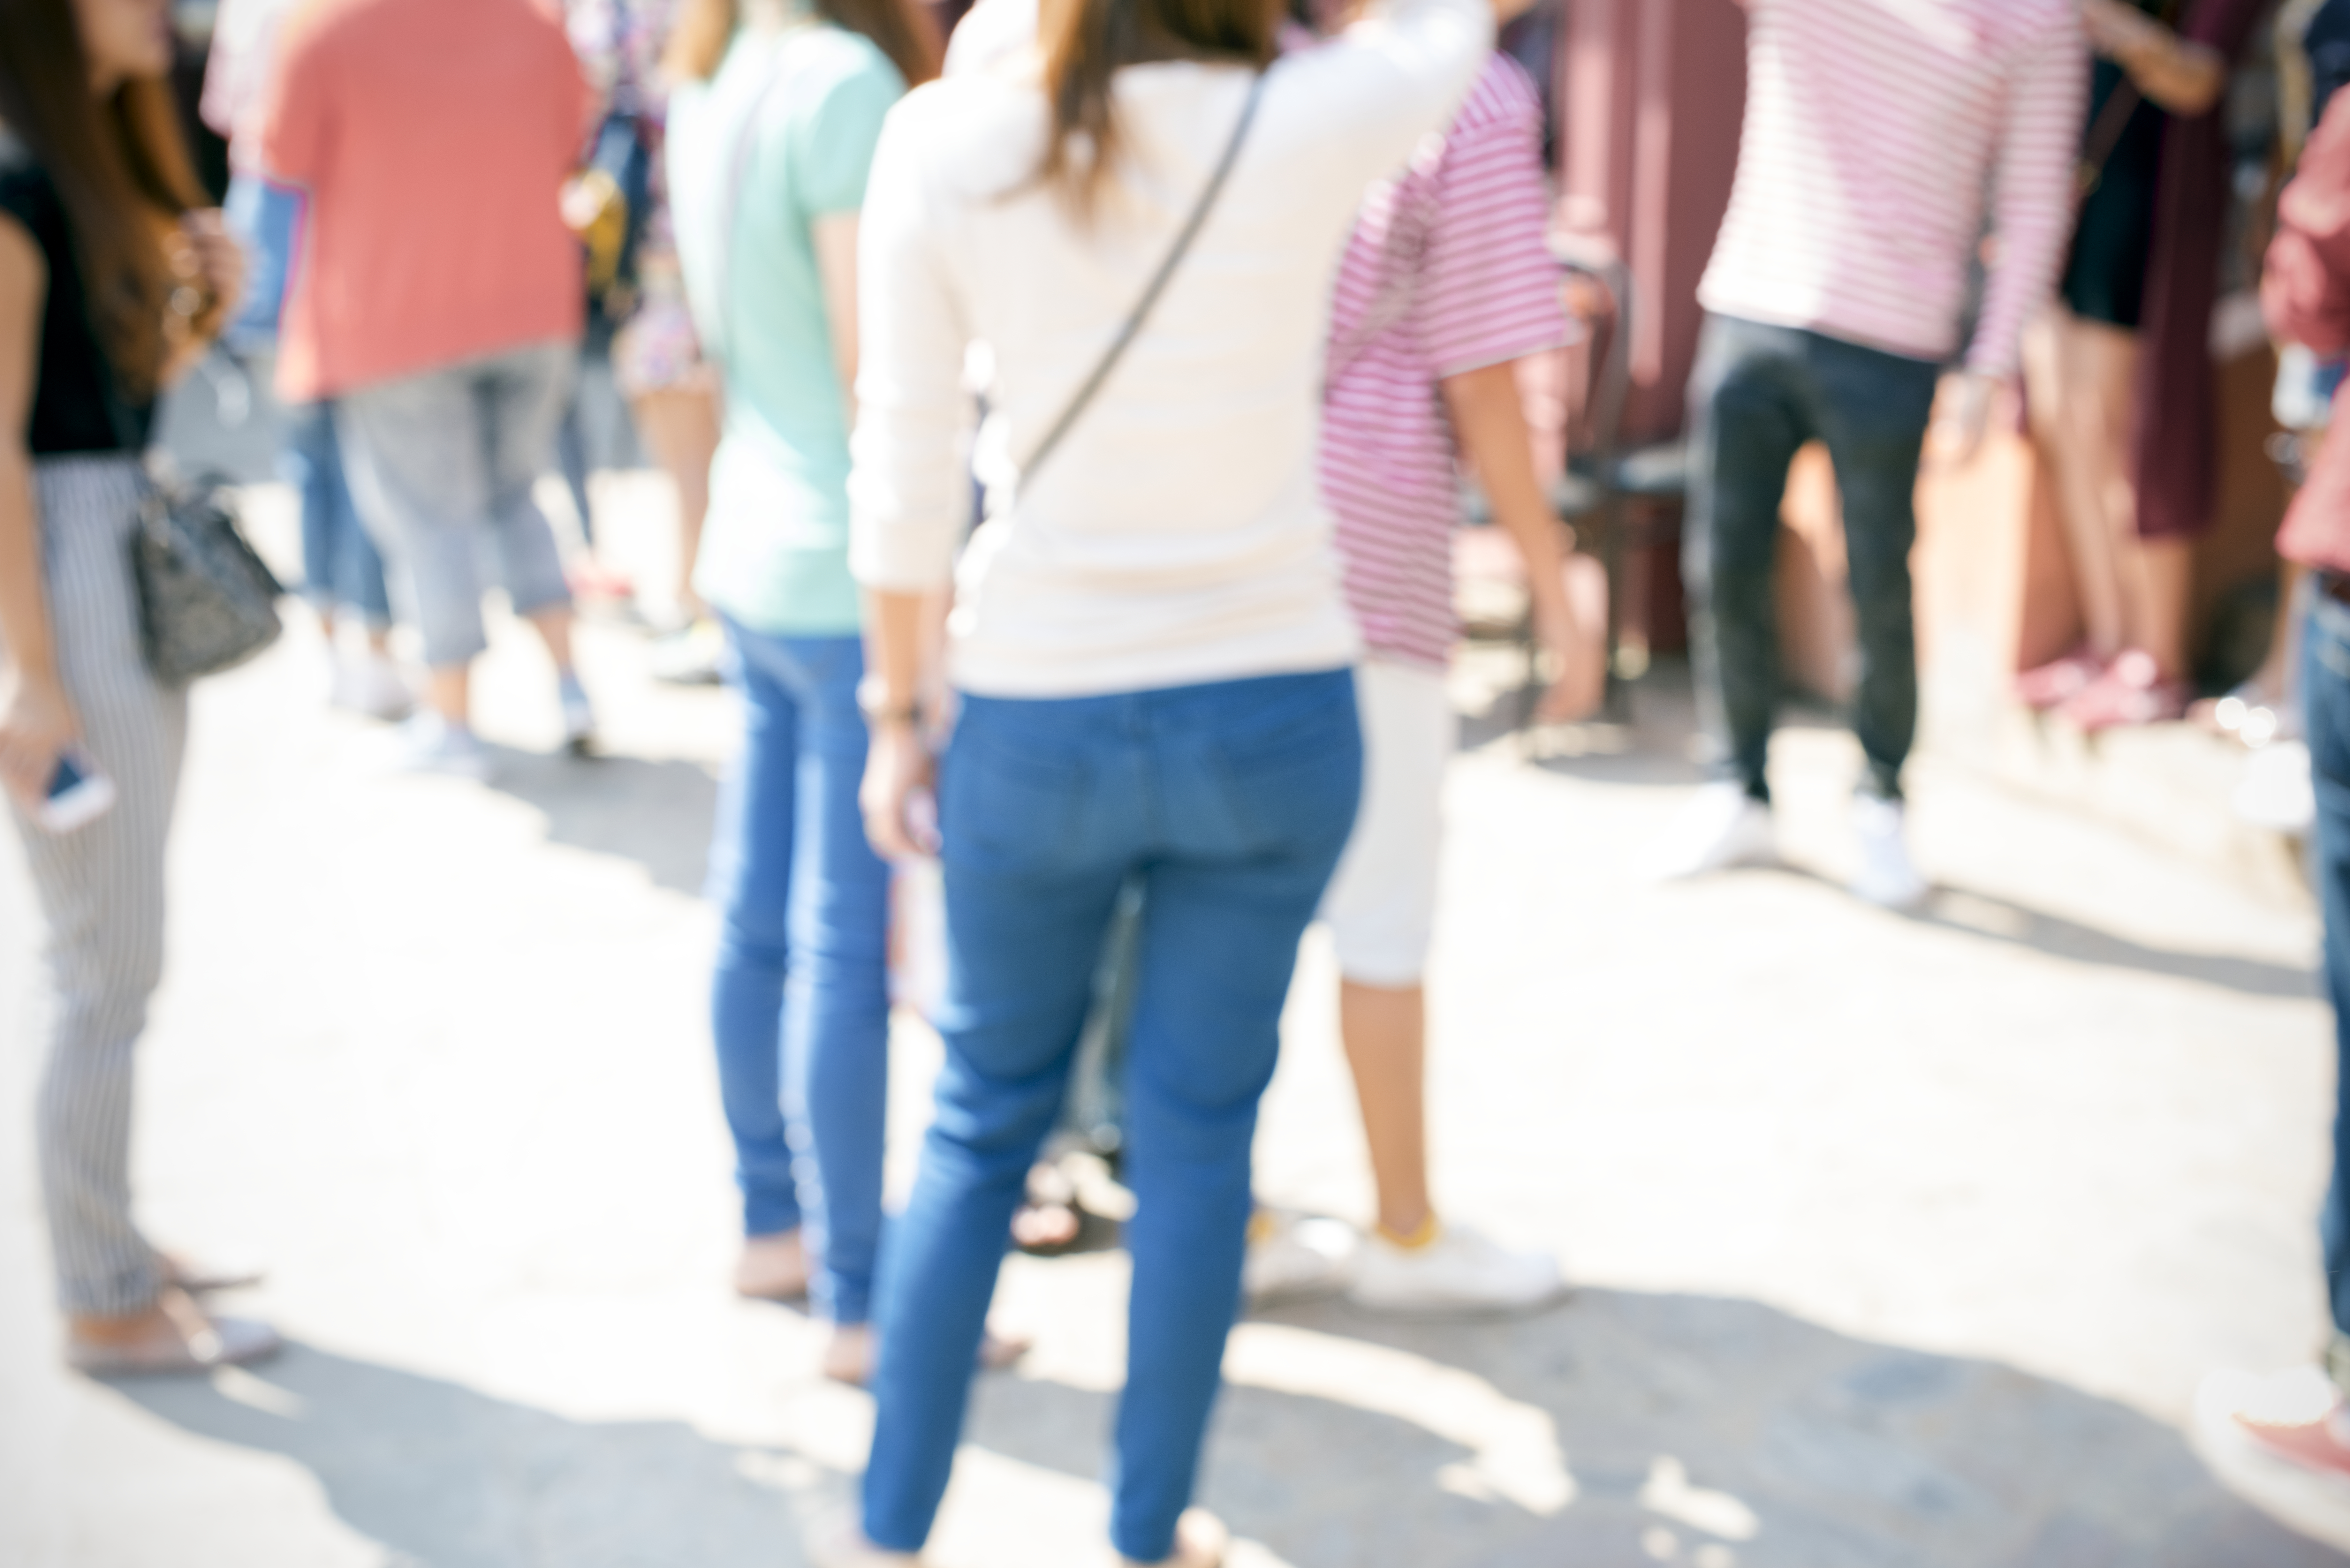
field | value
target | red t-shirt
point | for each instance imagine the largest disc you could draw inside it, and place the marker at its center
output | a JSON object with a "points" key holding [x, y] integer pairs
{"points": [[432, 138]]}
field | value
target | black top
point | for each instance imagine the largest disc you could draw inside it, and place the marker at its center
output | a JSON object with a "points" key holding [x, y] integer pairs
{"points": [[77, 406], [2105, 274]]}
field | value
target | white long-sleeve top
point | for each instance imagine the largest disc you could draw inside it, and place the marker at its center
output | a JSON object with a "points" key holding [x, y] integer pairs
{"points": [[1177, 534]]}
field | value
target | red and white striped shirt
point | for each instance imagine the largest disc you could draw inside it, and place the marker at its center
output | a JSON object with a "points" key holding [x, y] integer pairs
{"points": [[1448, 270], [1874, 130]]}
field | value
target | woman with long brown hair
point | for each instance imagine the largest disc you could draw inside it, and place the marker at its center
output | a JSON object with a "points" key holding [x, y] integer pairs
{"points": [[773, 113], [1149, 645], [111, 282]]}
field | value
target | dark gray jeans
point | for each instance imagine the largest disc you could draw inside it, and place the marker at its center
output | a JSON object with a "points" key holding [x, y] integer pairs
{"points": [[1757, 394]]}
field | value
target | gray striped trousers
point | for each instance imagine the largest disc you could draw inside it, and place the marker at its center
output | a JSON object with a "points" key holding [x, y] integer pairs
{"points": [[101, 888]]}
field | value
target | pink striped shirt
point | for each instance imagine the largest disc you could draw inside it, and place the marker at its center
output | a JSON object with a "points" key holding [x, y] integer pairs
{"points": [[1873, 129], [1448, 270]]}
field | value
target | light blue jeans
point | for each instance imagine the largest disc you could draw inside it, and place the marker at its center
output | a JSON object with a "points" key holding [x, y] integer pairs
{"points": [[442, 464], [1230, 802], [800, 1002]]}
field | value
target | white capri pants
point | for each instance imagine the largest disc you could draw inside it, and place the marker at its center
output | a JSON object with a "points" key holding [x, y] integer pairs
{"points": [[1382, 905]]}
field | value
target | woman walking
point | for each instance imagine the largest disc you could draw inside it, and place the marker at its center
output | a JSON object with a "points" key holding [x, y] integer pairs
{"points": [[1150, 646], [111, 282], [771, 129]]}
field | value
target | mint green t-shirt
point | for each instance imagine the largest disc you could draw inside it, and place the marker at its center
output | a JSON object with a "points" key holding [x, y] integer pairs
{"points": [[782, 135]]}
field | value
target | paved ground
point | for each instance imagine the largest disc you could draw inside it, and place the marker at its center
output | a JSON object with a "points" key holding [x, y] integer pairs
{"points": [[1901, 1241]]}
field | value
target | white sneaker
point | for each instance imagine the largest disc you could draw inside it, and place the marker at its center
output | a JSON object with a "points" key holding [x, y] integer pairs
{"points": [[578, 723], [1297, 1257], [1887, 878], [1460, 1273], [372, 686], [1723, 827], [430, 744]]}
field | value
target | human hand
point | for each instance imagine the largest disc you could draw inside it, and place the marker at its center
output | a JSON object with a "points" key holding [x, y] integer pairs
{"points": [[1961, 417], [899, 769], [36, 722], [213, 264]]}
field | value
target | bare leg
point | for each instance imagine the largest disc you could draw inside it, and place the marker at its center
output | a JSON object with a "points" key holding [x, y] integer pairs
{"points": [[2070, 367], [1385, 1030], [449, 691], [553, 626], [680, 424], [2159, 584]]}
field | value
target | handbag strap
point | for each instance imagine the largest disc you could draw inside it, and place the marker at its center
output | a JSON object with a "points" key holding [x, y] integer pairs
{"points": [[1158, 280]]}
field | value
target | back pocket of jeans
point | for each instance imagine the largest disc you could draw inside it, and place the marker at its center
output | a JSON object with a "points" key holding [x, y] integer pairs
{"points": [[1009, 806]]}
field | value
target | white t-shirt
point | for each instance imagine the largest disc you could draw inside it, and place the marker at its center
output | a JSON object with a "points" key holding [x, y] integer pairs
{"points": [[1178, 535]]}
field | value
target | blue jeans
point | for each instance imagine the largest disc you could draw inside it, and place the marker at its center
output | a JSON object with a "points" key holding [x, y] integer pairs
{"points": [[2326, 696], [266, 218], [340, 565], [1230, 802], [800, 1002], [442, 459], [1757, 394]]}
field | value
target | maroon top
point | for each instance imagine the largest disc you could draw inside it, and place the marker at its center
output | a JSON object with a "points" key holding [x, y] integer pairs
{"points": [[2175, 464], [2305, 292]]}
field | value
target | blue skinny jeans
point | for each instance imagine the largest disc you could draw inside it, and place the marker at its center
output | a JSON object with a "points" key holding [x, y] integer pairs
{"points": [[2326, 698], [1230, 802], [800, 1002], [341, 568]]}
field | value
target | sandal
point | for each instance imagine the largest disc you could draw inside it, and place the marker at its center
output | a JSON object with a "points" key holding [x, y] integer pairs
{"points": [[2059, 680], [197, 1281], [2132, 691]]}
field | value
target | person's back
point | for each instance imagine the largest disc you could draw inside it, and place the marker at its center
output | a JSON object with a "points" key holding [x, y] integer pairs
{"points": [[781, 135], [433, 137], [1873, 130], [1183, 537]]}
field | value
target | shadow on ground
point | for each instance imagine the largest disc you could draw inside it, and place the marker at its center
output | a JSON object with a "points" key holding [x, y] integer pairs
{"points": [[1999, 920], [1621, 1429], [657, 814], [447, 1478], [1628, 1429]]}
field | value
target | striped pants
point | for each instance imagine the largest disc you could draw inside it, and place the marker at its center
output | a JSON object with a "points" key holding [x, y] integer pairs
{"points": [[101, 888]]}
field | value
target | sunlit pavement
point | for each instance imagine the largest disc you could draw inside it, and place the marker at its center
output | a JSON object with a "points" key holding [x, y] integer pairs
{"points": [[1898, 1240]]}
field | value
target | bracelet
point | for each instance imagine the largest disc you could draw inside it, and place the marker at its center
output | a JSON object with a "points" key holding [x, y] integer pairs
{"points": [[875, 704]]}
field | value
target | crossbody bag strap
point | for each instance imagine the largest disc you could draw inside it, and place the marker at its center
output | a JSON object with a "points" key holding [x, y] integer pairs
{"points": [[1158, 285]]}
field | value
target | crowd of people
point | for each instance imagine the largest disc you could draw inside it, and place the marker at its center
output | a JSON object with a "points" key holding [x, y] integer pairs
{"points": [[1240, 292]]}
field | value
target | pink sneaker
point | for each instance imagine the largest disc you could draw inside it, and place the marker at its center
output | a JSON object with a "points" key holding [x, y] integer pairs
{"points": [[2059, 680], [2131, 691]]}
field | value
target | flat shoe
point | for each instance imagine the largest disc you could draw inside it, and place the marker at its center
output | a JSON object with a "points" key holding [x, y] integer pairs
{"points": [[222, 1341]]}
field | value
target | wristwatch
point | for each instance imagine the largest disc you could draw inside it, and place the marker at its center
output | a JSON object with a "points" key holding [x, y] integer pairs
{"points": [[873, 702]]}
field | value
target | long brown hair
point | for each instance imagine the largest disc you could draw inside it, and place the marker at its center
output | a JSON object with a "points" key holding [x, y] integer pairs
{"points": [[904, 30], [121, 172], [1087, 41]]}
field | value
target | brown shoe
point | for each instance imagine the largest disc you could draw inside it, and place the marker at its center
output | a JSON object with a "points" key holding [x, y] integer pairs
{"points": [[773, 1268], [173, 1336], [1201, 1541]]}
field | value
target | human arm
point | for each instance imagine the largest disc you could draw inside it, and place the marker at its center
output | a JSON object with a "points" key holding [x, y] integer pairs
{"points": [[2183, 76], [2305, 280], [1360, 103], [836, 262], [908, 493], [1489, 421], [36, 720], [211, 266], [2032, 217]]}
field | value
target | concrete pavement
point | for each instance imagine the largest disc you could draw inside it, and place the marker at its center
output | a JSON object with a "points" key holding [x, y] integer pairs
{"points": [[1899, 1241]]}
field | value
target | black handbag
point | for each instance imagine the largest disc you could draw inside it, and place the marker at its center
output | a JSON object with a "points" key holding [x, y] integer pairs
{"points": [[206, 601]]}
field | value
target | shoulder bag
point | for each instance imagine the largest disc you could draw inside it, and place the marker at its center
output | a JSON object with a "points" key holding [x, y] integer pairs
{"points": [[206, 601]]}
